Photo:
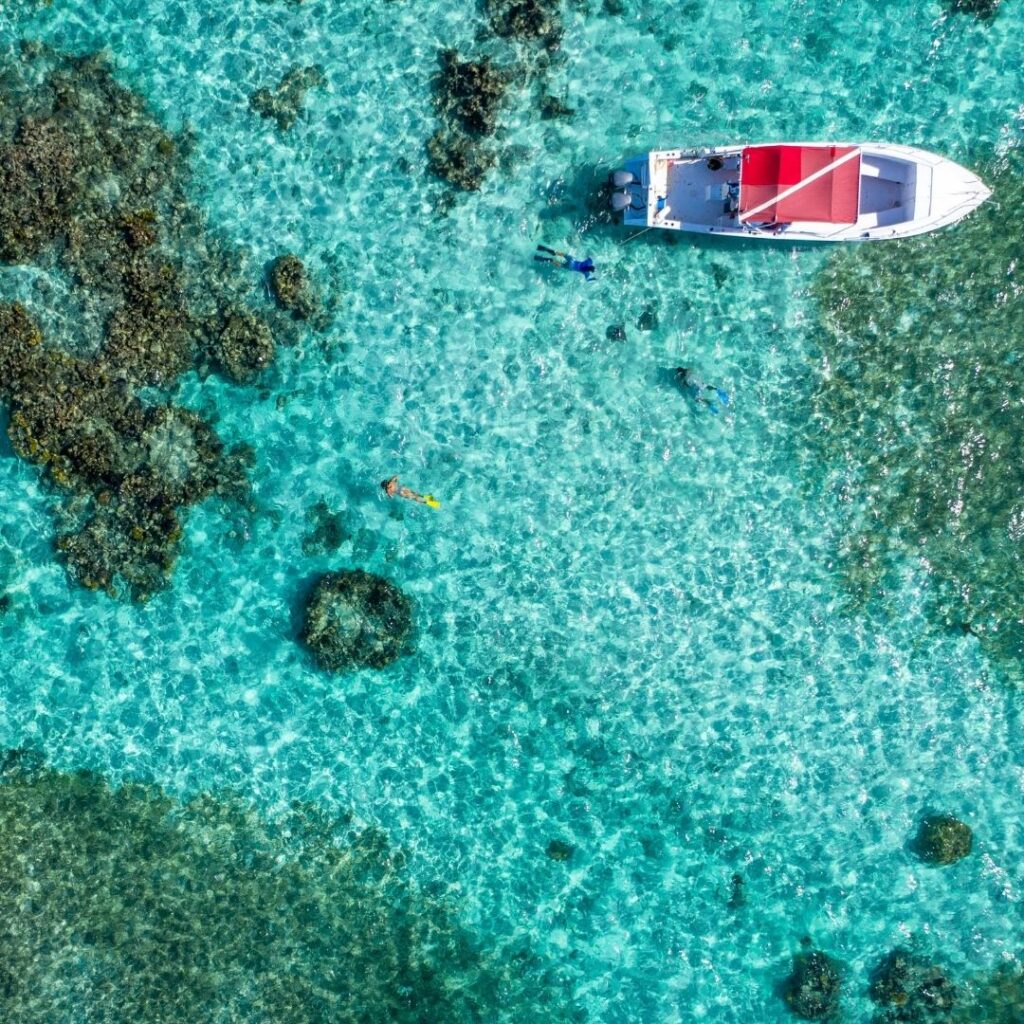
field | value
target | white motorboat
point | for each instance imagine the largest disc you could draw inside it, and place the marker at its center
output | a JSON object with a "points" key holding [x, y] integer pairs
{"points": [[806, 191]]}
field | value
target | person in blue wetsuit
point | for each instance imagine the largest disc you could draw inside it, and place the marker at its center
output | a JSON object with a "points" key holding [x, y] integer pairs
{"points": [[567, 262], [698, 390]]}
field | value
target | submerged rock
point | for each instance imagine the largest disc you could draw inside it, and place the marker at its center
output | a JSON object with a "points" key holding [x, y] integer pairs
{"points": [[981, 9], [468, 93], [244, 347], [912, 990], [558, 849], [284, 102], [812, 990], [459, 160], [291, 287], [92, 188], [357, 620], [943, 839], [128, 905], [528, 21]]}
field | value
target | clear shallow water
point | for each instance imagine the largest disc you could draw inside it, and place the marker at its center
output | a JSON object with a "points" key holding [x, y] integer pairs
{"points": [[633, 634]]}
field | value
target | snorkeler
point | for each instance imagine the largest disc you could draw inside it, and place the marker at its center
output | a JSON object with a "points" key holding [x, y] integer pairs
{"points": [[697, 389], [393, 489], [567, 262]]}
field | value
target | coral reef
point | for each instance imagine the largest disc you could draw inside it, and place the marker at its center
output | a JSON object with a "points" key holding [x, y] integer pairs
{"points": [[145, 909], [996, 997], [328, 533], [357, 620], [812, 990], [291, 288], [981, 9], [469, 93], [912, 990], [943, 839], [243, 347], [559, 849], [284, 102], [917, 410], [527, 21], [458, 159], [467, 96], [552, 107], [93, 189]]}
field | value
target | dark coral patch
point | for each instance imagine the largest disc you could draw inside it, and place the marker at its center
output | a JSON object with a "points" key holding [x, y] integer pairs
{"points": [[127, 905], [468, 93], [912, 990], [285, 101], [357, 620], [459, 160], [468, 96], [812, 990], [530, 21], [943, 839], [291, 287], [328, 530], [94, 190]]}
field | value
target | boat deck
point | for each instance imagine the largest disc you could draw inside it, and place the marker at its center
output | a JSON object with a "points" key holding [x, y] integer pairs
{"points": [[697, 194]]}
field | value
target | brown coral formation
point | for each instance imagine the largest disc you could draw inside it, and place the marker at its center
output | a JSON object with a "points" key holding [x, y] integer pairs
{"points": [[92, 189], [467, 96], [285, 101]]}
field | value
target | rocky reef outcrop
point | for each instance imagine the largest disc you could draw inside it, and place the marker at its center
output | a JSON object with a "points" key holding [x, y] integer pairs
{"points": [[123, 903], [943, 839], [529, 21], [812, 989], [467, 97], [356, 620], [910, 989], [291, 287], [93, 192], [285, 101]]}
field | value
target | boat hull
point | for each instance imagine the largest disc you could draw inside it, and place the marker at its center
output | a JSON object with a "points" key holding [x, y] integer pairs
{"points": [[904, 191]]}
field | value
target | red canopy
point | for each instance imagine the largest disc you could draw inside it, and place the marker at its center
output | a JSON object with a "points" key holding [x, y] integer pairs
{"points": [[787, 183]]}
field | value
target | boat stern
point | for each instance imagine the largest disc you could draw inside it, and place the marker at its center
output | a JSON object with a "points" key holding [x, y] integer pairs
{"points": [[630, 190]]}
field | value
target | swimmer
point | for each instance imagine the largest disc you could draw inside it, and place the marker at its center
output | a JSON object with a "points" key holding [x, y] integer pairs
{"points": [[566, 262], [697, 389], [393, 489]]}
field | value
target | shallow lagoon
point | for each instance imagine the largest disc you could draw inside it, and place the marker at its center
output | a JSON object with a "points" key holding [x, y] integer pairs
{"points": [[637, 631]]}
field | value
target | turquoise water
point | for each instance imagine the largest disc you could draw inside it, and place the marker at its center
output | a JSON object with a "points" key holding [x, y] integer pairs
{"points": [[634, 632]]}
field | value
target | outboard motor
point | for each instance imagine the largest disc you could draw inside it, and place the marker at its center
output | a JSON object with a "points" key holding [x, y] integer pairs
{"points": [[627, 192], [621, 201]]}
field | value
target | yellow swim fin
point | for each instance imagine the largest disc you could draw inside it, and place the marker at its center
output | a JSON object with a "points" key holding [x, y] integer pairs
{"points": [[431, 501]]}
